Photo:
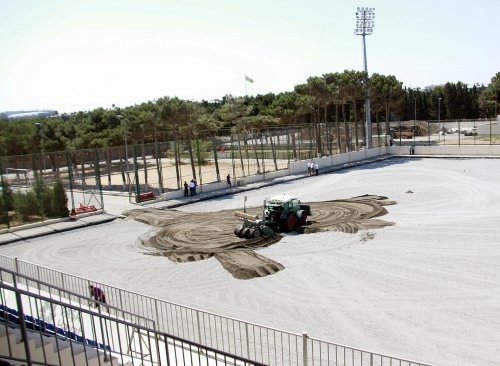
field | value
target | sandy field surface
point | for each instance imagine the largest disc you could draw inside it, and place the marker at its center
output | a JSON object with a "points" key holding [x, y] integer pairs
{"points": [[181, 239], [425, 288]]}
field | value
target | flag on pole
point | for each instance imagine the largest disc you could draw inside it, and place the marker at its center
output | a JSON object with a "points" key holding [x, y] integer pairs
{"points": [[248, 78]]}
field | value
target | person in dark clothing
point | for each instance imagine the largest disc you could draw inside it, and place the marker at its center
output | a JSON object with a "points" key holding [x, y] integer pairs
{"points": [[98, 295], [186, 189], [228, 180]]}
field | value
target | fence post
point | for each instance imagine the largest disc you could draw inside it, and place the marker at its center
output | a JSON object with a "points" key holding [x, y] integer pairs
{"points": [[199, 328], [97, 173], [157, 315], [70, 180], [22, 323], [121, 299], [304, 349], [136, 174], [4, 198], [248, 341]]}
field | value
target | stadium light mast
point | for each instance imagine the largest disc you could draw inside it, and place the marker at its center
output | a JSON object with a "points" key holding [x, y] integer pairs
{"points": [[364, 26]]}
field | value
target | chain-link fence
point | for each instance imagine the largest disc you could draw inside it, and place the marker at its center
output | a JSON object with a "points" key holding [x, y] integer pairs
{"points": [[433, 133], [32, 184]]}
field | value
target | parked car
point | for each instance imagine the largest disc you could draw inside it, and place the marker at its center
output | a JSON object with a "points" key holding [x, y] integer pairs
{"points": [[470, 131]]}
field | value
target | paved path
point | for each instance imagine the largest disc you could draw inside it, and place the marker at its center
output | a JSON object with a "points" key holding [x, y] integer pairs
{"points": [[52, 227]]}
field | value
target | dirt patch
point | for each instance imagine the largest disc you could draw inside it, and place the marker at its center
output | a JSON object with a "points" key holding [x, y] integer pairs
{"points": [[188, 237]]}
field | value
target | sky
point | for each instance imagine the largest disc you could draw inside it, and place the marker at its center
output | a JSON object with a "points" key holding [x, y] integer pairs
{"points": [[73, 55]]}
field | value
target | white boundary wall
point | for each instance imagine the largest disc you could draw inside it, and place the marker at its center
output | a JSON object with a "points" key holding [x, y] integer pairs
{"points": [[449, 150]]}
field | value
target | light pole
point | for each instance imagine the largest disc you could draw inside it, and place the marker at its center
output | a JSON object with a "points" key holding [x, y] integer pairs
{"points": [[42, 142], [364, 26], [439, 119]]}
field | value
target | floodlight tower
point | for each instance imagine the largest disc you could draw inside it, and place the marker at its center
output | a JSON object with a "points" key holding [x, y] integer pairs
{"points": [[364, 26]]}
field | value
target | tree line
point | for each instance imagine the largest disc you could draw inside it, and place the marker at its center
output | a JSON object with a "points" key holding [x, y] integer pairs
{"points": [[334, 97]]}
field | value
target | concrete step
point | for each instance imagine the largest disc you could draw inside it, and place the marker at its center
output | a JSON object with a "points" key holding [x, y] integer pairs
{"points": [[45, 349]]}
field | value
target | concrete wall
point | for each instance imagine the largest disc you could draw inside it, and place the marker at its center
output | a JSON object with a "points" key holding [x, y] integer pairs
{"points": [[448, 150], [332, 161], [485, 129]]}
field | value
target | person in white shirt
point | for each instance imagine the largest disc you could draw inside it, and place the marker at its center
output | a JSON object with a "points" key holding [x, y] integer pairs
{"points": [[192, 187], [316, 168], [309, 168]]}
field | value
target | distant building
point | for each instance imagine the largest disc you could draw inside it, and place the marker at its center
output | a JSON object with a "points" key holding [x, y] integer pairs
{"points": [[28, 114]]}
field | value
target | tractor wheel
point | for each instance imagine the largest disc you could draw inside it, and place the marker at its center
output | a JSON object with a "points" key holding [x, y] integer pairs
{"points": [[237, 230], [255, 233], [249, 234], [244, 232], [290, 223]]}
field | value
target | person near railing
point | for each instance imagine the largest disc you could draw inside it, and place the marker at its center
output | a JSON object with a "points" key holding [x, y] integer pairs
{"points": [[97, 294]]}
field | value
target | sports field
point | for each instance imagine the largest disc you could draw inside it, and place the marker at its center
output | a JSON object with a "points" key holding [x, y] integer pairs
{"points": [[426, 288]]}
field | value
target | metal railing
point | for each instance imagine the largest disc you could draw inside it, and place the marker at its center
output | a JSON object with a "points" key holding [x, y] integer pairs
{"points": [[251, 341], [83, 337]]}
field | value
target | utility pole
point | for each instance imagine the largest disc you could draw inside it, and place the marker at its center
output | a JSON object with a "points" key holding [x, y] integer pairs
{"points": [[364, 26]]}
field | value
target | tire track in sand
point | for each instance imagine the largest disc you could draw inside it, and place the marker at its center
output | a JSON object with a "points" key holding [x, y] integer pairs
{"points": [[188, 237]]}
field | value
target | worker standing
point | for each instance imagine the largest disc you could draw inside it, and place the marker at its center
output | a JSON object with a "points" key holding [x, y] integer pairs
{"points": [[316, 168], [309, 168], [228, 180], [192, 187]]}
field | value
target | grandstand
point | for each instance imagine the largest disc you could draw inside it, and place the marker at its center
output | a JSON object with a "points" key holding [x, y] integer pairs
{"points": [[49, 318]]}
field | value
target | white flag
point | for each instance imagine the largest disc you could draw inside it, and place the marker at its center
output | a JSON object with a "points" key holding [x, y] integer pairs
{"points": [[248, 78]]}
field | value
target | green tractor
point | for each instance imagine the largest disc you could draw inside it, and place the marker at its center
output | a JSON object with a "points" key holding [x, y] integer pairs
{"points": [[281, 213]]}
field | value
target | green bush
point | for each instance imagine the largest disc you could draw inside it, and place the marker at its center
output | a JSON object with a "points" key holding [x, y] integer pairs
{"points": [[59, 201], [41, 200], [6, 202], [26, 205]]}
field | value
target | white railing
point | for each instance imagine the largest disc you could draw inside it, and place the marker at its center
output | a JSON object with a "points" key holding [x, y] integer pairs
{"points": [[58, 333], [248, 340]]}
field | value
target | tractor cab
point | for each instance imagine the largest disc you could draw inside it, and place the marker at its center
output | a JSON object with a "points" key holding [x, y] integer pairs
{"points": [[285, 212]]}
